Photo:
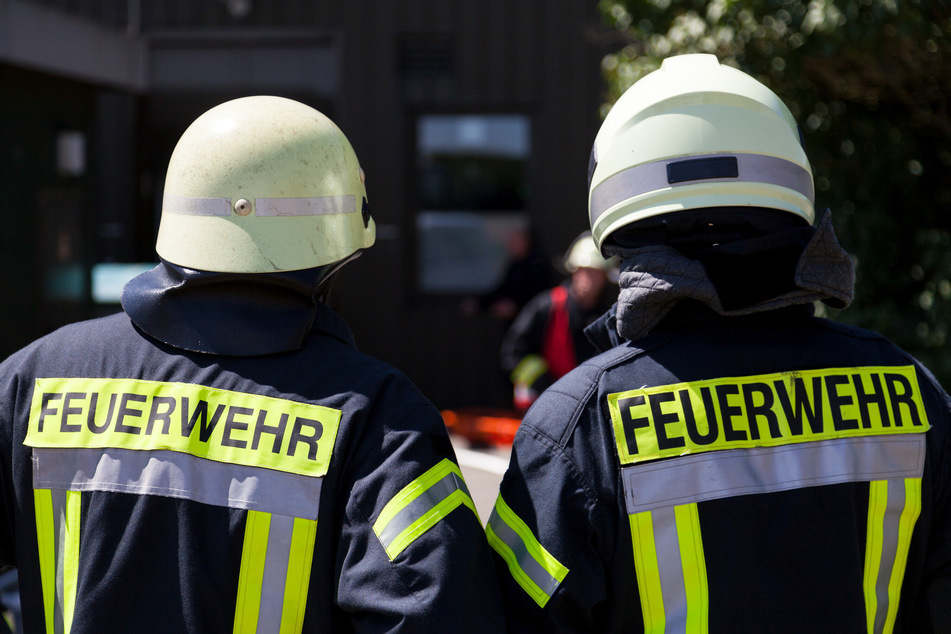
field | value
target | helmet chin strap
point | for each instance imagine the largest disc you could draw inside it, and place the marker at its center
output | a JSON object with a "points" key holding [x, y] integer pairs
{"points": [[328, 274]]}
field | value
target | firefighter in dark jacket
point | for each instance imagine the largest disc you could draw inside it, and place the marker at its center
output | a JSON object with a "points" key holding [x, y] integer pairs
{"points": [[731, 462], [219, 457], [547, 339]]}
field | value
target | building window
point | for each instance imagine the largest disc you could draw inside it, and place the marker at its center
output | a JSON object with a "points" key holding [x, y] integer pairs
{"points": [[472, 186]]}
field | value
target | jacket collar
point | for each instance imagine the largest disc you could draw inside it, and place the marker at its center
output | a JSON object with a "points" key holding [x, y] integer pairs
{"points": [[656, 279], [231, 314]]}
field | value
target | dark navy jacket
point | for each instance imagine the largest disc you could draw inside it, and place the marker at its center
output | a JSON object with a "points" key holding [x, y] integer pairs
{"points": [[155, 552], [736, 474]]}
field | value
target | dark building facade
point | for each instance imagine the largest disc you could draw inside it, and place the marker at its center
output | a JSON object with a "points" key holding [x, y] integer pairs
{"points": [[473, 120]]}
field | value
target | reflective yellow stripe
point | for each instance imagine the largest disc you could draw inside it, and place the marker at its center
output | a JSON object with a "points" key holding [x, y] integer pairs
{"points": [[251, 576], [71, 533], [877, 499], [300, 558], [529, 369], [420, 505], [694, 567], [906, 529], [46, 538], [220, 425], [671, 569], [264, 600], [534, 568], [894, 506], [765, 410], [648, 572], [58, 526]]}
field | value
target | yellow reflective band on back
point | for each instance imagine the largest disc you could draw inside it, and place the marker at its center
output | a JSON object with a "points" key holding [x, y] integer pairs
{"points": [[300, 558], [894, 507], [534, 568], [420, 505], [765, 410], [274, 603], [58, 525], [648, 574], [71, 532], [46, 539], [219, 425], [671, 569], [251, 576], [694, 567], [906, 529]]}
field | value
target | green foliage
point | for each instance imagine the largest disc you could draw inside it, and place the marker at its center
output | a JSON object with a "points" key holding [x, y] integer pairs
{"points": [[870, 83]]}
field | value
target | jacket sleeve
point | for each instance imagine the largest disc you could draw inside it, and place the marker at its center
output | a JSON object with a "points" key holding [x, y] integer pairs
{"points": [[7, 442], [926, 607], [412, 552], [526, 334], [551, 528]]}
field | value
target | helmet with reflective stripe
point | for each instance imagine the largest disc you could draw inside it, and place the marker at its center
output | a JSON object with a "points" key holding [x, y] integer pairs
{"points": [[696, 134], [263, 184]]}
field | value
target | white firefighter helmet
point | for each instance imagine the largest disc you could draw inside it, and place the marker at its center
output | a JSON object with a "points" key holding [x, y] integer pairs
{"points": [[584, 253], [263, 184], [696, 134]]}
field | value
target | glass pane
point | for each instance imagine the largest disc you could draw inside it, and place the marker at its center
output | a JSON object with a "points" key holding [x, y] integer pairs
{"points": [[108, 279], [464, 251], [472, 176]]}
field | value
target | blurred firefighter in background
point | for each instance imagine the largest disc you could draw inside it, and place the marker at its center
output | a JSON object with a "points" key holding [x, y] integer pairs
{"points": [[547, 340]]}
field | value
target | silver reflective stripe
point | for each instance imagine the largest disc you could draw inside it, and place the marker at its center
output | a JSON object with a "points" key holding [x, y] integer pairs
{"points": [[59, 528], [719, 474], [753, 168], [422, 505], [177, 475], [894, 507], [274, 582], [263, 207], [545, 581], [305, 206], [193, 206], [671, 570]]}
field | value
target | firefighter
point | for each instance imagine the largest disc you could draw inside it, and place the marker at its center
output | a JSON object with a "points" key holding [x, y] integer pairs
{"points": [[547, 339], [219, 457], [731, 462]]}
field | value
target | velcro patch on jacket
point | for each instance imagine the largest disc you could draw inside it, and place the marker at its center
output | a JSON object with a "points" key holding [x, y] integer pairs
{"points": [[220, 425], [765, 410]]}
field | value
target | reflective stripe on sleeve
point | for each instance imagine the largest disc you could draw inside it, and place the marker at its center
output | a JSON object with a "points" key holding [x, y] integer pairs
{"points": [[531, 565], [420, 505], [58, 518], [529, 369], [275, 574], [894, 506]]}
